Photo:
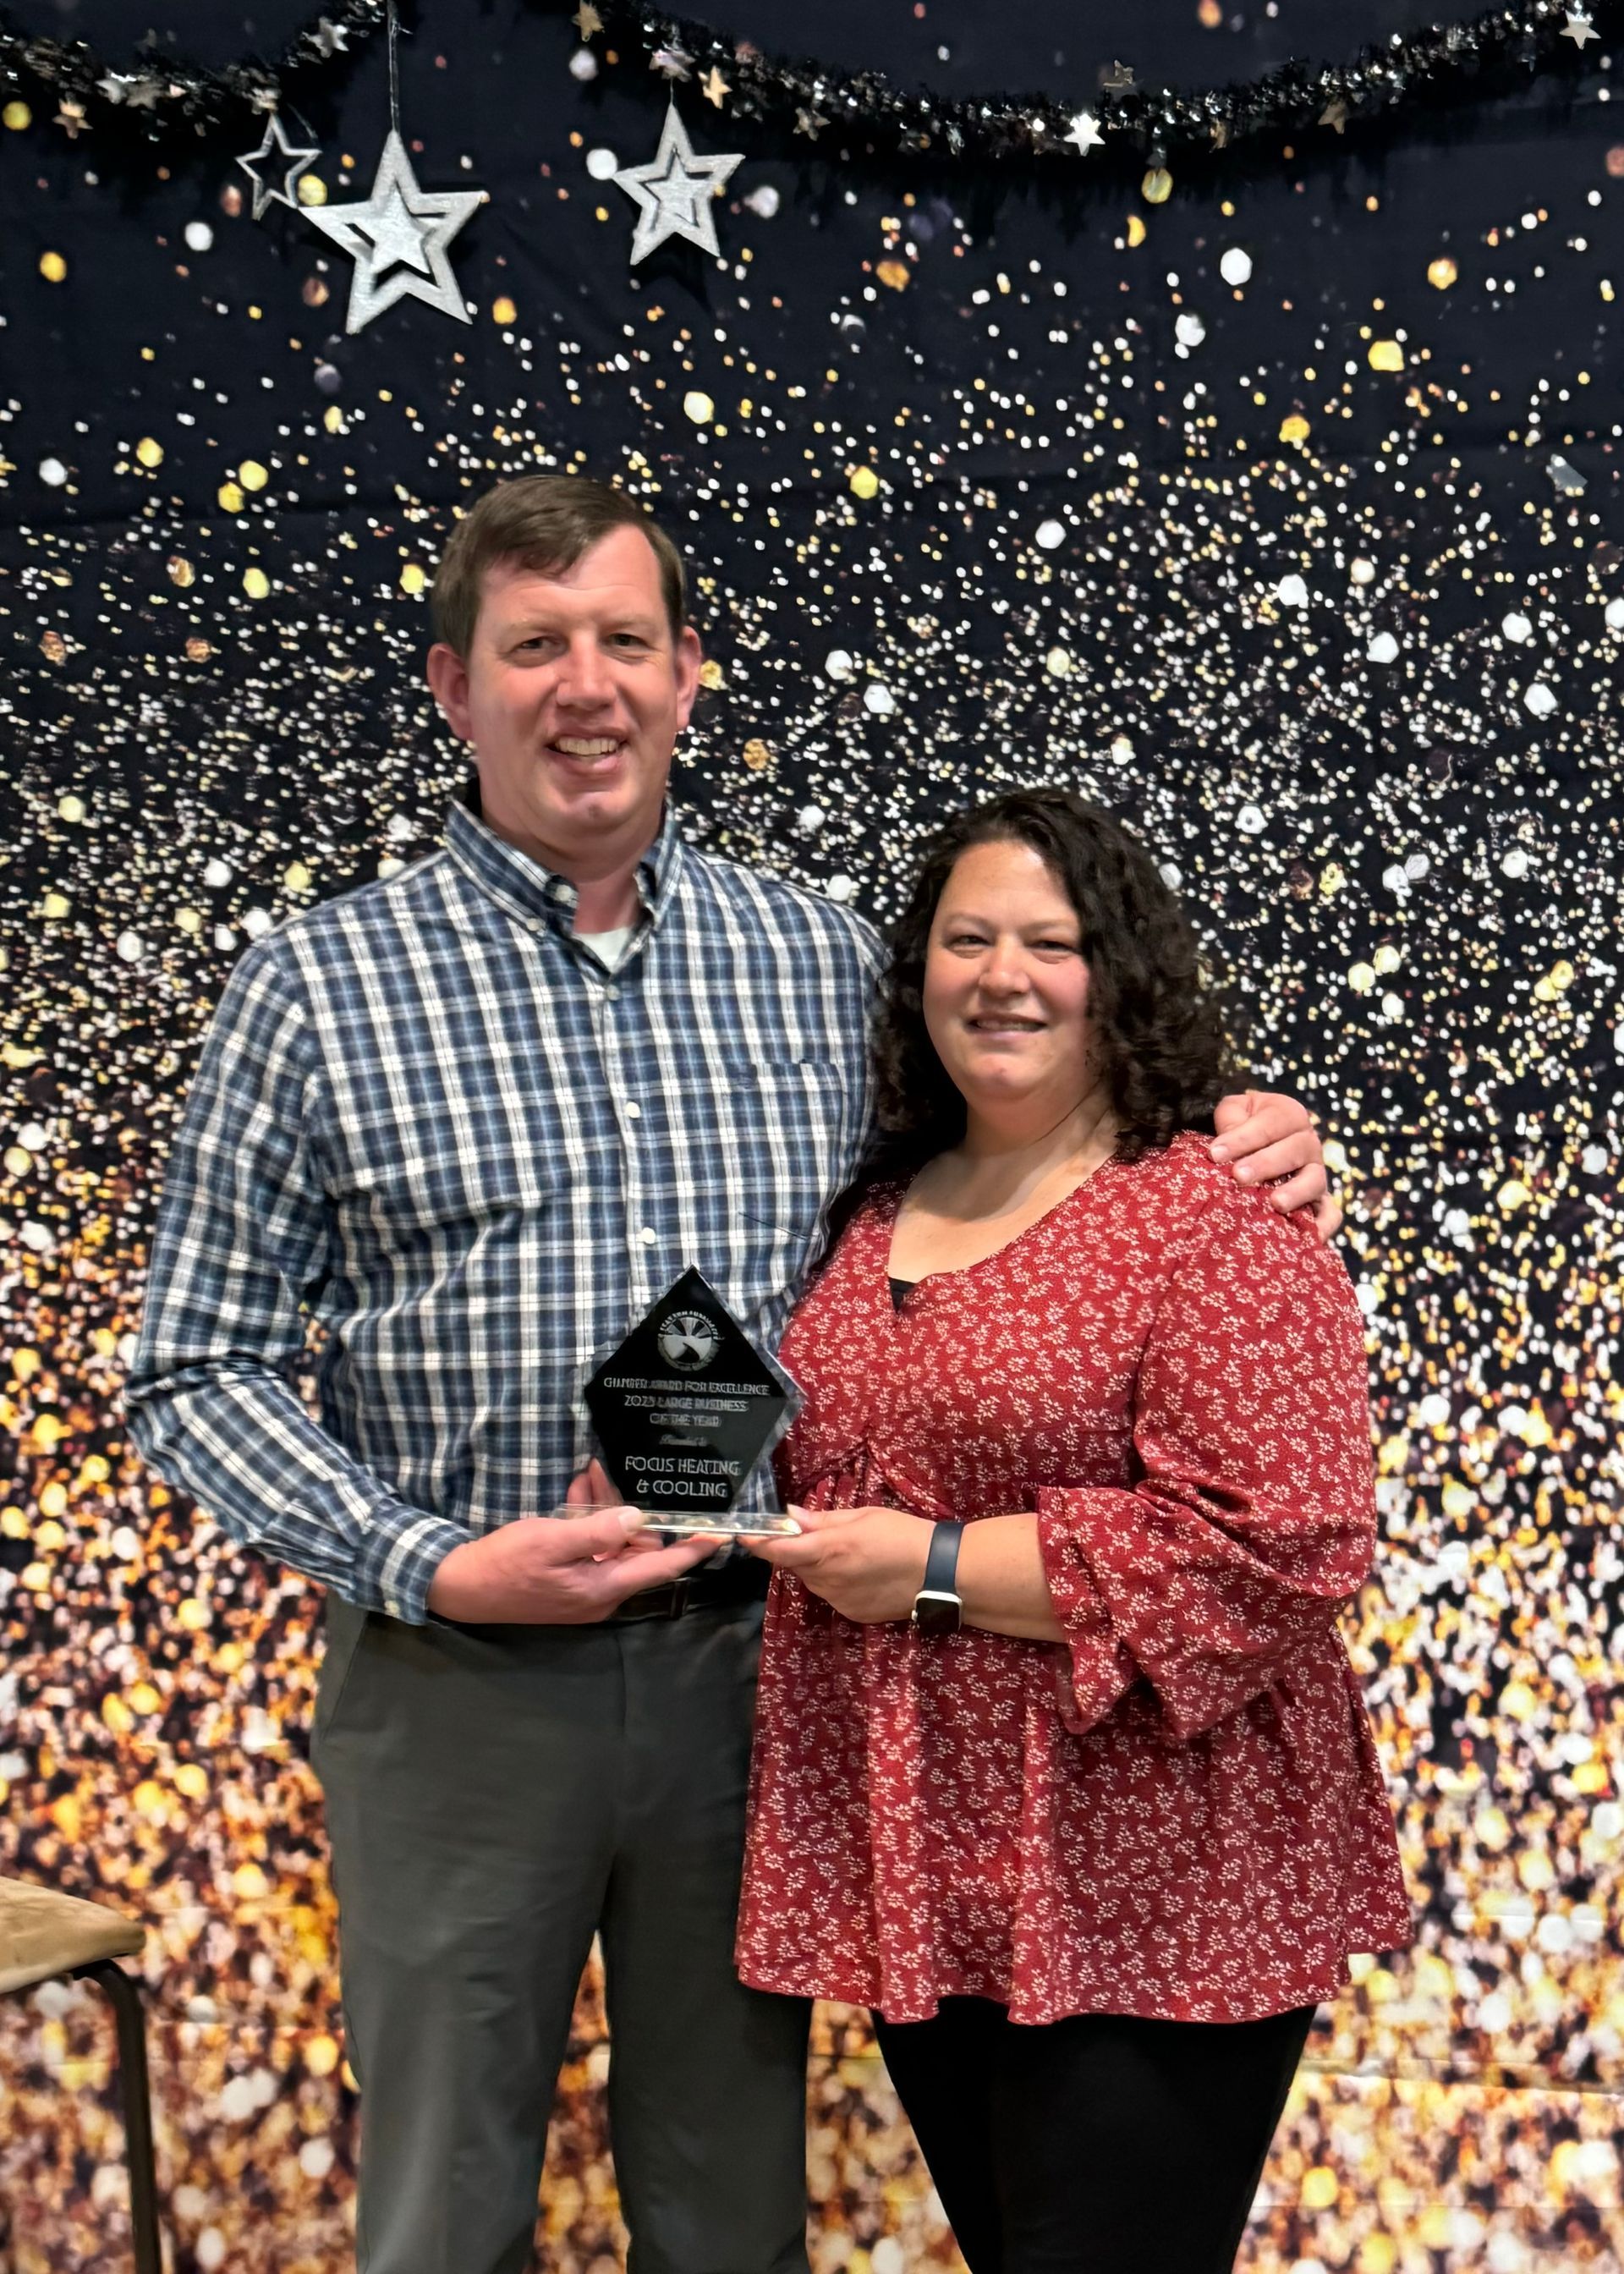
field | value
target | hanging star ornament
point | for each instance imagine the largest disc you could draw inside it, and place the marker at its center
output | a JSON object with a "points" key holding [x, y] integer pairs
{"points": [[397, 239], [1084, 131], [673, 193], [285, 160], [1579, 28]]}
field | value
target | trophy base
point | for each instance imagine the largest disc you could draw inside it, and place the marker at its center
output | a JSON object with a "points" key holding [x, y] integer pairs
{"points": [[685, 1523]]}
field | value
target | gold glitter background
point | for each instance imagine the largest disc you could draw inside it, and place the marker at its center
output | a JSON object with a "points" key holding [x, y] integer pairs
{"points": [[1282, 513]]}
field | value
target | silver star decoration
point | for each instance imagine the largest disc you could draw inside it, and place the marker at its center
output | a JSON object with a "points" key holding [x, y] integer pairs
{"points": [[331, 37], [1579, 28], [1084, 131], [673, 193], [671, 62], [397, 239], [285, 159]]}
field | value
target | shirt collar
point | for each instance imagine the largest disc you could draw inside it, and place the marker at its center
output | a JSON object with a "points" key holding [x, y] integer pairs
{"points": [[532, 892]]}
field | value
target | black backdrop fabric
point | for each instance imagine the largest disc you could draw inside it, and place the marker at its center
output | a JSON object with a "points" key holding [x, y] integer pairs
{"points": [[1282, 514]]}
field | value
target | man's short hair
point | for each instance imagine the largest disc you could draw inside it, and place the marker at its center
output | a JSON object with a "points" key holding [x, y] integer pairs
{"points": [[544, 521]]}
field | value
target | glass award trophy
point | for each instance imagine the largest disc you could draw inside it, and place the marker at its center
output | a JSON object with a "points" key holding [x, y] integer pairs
{"points": [[685, 1408]]}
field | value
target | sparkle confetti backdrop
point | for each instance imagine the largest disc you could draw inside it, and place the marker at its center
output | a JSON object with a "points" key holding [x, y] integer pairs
{"points": [[1275, 502]]}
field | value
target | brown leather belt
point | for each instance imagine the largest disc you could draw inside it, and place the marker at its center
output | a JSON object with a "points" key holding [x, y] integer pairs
{"points": [[742, 1579]]}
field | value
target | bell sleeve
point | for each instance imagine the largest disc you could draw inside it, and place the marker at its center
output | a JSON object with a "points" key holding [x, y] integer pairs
{"points": [[1252, 1520]]}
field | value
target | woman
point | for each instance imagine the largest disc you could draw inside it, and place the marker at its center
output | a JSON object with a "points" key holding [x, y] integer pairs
{"points": [[1094, 1857]]}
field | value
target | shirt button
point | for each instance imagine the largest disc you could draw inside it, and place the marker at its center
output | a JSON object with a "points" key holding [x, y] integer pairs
{"points": [[633, 1109], [647, 1235], [612, 994]]}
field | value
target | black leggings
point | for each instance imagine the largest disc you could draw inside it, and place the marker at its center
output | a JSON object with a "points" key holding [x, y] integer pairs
{"points": [[1100, 2144]]}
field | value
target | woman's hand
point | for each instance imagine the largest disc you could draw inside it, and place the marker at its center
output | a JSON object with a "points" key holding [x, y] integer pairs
{"points": [[868, 1563]]}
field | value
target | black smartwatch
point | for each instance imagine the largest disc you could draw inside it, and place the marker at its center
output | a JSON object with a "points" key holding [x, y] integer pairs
{"points": [[937, 1609]]}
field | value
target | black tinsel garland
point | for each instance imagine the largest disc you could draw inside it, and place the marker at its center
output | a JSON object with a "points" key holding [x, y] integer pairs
{"points": [[163, 92], [1438, 65]]}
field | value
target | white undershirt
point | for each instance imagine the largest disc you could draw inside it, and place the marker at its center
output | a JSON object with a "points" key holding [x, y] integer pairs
{"points": [[608, 946]]}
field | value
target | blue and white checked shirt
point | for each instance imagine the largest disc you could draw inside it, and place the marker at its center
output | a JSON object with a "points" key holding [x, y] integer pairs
{"points": [[428, 1117]]}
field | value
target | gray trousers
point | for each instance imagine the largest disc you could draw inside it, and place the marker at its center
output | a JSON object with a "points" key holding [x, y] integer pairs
{"points": [[494, 1796]]}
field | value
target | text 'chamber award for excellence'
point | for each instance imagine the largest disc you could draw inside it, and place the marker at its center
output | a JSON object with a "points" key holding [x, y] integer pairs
{"points": [[685, 1409]]}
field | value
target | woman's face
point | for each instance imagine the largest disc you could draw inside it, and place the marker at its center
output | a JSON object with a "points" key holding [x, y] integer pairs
{"points": [[1006, 988]]}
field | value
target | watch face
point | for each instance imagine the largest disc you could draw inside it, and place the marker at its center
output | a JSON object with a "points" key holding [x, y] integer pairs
{"points": [[937, 1614], [688, 1340]]}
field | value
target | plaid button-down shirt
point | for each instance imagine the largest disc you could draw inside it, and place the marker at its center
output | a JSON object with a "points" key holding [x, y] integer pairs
{"points": [[430, 1121]]}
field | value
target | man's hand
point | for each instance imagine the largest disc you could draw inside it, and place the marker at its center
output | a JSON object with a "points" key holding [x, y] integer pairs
{"points": [[1268, 1137], [868, 1563], [566, 1570]]}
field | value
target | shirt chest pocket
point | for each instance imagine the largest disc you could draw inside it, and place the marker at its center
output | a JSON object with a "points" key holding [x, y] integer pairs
{"points": [[789, 1141]]}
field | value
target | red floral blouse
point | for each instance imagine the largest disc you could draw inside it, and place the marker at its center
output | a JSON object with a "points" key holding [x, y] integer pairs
{"points": [[1179, 1811]]}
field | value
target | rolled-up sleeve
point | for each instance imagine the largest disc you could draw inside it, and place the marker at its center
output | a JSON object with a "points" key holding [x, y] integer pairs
{"points": [[240, 1258], [1252, 1521]]}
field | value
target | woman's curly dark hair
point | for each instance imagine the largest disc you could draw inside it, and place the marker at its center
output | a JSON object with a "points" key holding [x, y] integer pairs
{"points": [[1164, 1054]]}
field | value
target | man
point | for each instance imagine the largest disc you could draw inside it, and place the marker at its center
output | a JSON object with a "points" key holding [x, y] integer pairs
{"points": [[474, 1121]]}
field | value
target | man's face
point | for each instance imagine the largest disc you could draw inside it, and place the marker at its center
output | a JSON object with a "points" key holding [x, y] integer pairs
{"points": [[572, 694]]}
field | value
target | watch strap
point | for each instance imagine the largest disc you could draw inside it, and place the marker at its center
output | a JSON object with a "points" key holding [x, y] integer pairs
{"points": [[936, 1607], [942, 1561]]}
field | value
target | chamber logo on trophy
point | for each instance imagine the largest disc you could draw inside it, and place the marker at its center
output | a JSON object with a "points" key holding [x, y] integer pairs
{"points": [[687, 1340], [685, 1408]]}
